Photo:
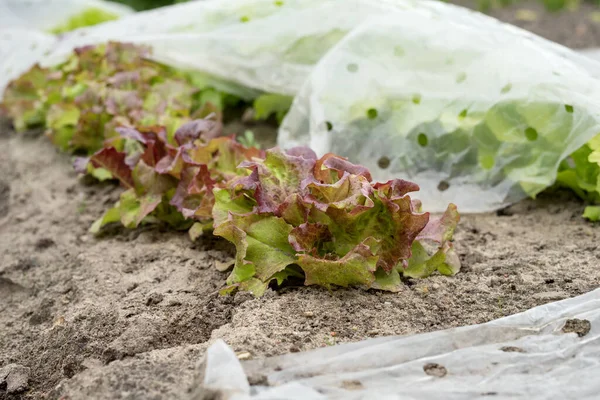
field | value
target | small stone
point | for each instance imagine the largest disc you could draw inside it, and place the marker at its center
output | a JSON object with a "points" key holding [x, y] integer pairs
{"points": [[550, 296], [494, 282], [154, 299], [44, 243], [59, 321], [248, 116], [16, 378], [435, 286], [308, 314], [244, 355], [436, 370], [21, 217], [224, 266]]}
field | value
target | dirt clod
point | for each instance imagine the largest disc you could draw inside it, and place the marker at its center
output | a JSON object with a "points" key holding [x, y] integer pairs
{"points": [[4, 198], [15, 377], [436, 370], [579, 326], [44, 243], [154, 299]]}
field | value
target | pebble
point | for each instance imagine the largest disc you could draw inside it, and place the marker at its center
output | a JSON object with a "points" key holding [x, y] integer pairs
{"points": [[244, 355], [16, 378], [308, 314]]}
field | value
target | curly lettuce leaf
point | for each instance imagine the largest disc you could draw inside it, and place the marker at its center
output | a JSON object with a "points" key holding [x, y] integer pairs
{"points": [[169, 180], [272, 104], [326, 218], [84, 100]]}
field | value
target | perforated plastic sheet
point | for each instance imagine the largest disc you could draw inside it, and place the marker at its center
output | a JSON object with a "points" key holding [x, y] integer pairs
{"points": [[532, 355], [44, 15], [477, 112]]}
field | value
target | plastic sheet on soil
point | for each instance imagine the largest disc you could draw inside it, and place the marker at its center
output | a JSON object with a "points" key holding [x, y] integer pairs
{"points": [[551, 351], [475, 111]]}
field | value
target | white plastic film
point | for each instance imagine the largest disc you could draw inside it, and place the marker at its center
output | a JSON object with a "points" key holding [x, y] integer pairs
{"points": [[548, 352]]}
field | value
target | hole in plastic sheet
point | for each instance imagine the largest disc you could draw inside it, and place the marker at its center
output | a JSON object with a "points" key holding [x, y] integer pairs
{"points": [[326, 125], [569, 108], [372, 113], [416, 99], [487, 161], [460, 78], [398, 51], [245, 18], [443, 186], [279, 3], [432, 369], [422, 139], [383, 162], [463, 114], [531, 134], [507, 88], [352, 67]]}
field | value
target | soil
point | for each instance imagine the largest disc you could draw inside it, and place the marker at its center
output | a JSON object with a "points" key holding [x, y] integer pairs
{"points": [[128, 315], [576, 28]]}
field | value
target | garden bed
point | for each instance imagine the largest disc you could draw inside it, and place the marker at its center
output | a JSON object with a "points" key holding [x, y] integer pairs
{"points": [[129, 314]]}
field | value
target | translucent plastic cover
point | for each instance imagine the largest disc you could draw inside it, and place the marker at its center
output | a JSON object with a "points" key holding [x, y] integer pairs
{"points": [[547, 352], [477, 112]]}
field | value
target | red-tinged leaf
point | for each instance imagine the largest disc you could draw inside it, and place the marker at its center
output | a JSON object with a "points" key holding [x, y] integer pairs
{"points": [[114, 162], [306, 237], [194, 195], [344, 229], [442, 228], [204, 129], [80, 164], [131, 133], [303, 152], [397, 188], [343, 166], [172, 165]]}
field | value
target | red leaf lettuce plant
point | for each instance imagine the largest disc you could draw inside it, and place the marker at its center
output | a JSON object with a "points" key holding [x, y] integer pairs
{"points": [[324, 220]]}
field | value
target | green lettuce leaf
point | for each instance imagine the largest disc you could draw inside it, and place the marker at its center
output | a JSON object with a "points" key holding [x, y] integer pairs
{"points": [[89, 17]]}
